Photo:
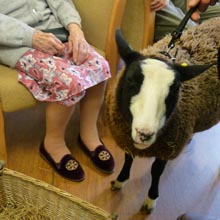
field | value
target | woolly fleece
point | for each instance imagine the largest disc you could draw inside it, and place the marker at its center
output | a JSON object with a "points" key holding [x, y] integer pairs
{"points": [[198, 107]]}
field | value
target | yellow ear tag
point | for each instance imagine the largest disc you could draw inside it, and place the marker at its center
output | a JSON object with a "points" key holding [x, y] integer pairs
{"points": [[184, 64]]}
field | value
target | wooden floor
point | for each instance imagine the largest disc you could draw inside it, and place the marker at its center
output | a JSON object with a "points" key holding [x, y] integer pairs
{"points": [[190, 183]]}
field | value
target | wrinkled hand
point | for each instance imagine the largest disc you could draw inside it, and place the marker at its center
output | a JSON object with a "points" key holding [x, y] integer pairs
{"points": [[202, 6], [157, 5], [47, 43], [78, 46]]}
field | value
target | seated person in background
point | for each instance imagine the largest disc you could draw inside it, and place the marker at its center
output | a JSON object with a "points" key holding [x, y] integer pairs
{"points": [[60, 74], [202, 6], [169, 14]]}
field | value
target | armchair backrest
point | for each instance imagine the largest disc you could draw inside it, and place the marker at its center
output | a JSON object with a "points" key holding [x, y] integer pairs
{"points": [[138, 23], [100, 18]]}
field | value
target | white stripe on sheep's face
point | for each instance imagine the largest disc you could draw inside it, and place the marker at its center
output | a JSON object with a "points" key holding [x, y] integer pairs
{"points": [[146, 95], [148, 90], [148, 106]]}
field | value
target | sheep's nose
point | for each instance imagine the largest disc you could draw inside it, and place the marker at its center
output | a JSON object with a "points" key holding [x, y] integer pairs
{"points": [[145, 137]]}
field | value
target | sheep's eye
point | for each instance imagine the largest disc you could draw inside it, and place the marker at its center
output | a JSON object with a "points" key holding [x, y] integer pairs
{"points": [[134, 78], [129, 80], [133, 88], [174, 87]]}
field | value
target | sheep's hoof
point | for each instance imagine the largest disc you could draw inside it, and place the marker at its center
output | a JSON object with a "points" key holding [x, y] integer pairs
{"points": [[148, 206], [116, 185], [146, 210]]}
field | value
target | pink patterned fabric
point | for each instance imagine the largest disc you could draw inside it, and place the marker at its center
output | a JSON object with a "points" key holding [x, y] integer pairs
{"points": [[58, 79]]}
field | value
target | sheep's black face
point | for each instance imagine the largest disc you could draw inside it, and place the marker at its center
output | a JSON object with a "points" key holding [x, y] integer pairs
{"points": [[147, 95], [148, 92]]}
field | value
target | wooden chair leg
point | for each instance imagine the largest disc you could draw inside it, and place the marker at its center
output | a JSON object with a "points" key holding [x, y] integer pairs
{"points": [[3, 150], [149, 22]]}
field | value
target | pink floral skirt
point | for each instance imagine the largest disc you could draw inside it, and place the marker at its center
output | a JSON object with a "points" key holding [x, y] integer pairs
{"points": [[58, 79]]}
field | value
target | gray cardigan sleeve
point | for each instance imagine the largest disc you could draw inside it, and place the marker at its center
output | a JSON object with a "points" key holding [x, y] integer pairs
{"points": [[14, 33], [64, 11]]}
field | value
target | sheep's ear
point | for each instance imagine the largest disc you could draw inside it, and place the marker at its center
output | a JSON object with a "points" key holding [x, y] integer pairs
{"points": [[189, 72], [125, 50]]}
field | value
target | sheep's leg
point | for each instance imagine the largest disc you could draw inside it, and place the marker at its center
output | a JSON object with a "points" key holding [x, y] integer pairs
{"points": [[124, 174], [153, 193]]}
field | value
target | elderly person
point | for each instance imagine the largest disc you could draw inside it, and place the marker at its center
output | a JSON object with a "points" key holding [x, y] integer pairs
{"points": [[169, 14], [44, 41]]}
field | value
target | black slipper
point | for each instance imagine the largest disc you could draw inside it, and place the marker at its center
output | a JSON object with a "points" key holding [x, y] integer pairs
{"points": [[68, 166], [101, 157]]}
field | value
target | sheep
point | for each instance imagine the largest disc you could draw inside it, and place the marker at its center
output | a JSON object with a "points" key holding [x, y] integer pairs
{"points": [[154, 106]]}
